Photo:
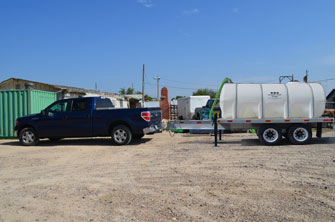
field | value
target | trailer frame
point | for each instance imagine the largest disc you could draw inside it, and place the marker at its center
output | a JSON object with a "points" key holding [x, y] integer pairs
{"points": [[282, 127]]}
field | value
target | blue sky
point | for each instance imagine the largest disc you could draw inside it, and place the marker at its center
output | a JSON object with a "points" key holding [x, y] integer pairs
{"points": [[190, 44]]}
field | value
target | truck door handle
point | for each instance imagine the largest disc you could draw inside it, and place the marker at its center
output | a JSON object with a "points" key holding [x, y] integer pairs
{"points": [[65, 117], [87, 116]]}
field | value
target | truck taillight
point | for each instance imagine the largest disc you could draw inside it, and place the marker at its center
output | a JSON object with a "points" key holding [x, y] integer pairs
{"points": [[146, 116], [16, 123]]}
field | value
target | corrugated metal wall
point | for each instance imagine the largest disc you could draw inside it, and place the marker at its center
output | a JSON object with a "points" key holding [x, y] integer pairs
{"points": [[40, 100], [17, 103]]}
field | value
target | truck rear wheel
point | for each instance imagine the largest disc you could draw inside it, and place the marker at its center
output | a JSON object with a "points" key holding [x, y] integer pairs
{"points": [[28, 137], [121, 135], [300, 134], [270, 135]]}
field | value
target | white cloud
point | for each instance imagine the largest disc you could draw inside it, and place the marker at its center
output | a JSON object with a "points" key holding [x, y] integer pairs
{"points": [[145, 3], [194, 11], [327, 60], [235, 10]]}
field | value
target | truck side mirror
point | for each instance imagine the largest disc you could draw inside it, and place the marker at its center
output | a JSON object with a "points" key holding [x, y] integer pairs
{"points": [[43, 112]]}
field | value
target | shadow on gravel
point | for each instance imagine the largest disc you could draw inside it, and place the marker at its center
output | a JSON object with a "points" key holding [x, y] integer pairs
{"points": [[81, 142], [284, 142], [256, 142]]}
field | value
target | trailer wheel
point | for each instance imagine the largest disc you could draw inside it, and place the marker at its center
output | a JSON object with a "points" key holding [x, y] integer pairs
{"points": [[270, 135], [121, 135], [300, 134], [28, 137]]}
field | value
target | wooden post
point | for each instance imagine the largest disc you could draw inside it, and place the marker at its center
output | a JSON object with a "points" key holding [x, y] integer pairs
{"points": [[215, 130]]}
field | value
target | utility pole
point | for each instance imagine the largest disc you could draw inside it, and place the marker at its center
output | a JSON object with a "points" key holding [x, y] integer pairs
{"points": [[157, 78], [143, 85]]}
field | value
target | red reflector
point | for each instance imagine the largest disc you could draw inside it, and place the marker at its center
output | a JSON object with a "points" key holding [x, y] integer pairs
{"points": [[287, 120], [146, 116], [199, 122], [268, 121], [306, 120], [248, 121], [181, 122], [230, 121], [327, 120]]}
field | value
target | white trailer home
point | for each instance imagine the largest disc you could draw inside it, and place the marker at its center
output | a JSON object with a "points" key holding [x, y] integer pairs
{"points": [[187, 105]]}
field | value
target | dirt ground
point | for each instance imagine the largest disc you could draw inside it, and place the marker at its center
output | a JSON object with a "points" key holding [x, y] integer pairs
{"points": [[164, 178]]}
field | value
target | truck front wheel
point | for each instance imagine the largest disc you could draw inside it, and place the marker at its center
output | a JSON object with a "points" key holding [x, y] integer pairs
{"points": [[121, 135], [28, 137]]}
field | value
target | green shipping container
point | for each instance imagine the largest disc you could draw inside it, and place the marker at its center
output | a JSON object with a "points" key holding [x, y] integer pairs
{"points": [[17, 103]]}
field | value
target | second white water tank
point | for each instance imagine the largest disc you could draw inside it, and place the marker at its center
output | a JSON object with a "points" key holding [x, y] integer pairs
{"points": [[257, 101]]}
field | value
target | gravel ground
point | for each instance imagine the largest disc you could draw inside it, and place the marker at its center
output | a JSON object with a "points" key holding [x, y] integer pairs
{"points": [[164, 178]]}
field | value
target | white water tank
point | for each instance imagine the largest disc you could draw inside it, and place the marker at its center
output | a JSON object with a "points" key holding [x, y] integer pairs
{"points": [[258, 101]]}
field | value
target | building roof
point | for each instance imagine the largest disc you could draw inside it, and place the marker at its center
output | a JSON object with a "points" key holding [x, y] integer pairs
{"points": [[65, 88], [330, 94]]}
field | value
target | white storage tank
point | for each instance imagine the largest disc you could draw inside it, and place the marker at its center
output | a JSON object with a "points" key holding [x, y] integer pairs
{"points": [[187, 105], [258, 101]]}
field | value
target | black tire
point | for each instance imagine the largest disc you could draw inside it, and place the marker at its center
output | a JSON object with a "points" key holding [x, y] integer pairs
{"points": [[300, 134], [54, 139], [138, 136], [121, 135], [28, 137], [270, 135]]}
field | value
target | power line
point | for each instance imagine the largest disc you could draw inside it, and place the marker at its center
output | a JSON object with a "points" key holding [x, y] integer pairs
{"points": [[325, 80], [174, 87], [177, 81]]}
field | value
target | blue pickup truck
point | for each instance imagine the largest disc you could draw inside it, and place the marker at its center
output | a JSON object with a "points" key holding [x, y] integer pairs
{"points": [[202, 113], [88, 117]]}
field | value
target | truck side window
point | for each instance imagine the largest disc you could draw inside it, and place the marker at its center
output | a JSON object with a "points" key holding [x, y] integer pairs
{"points": [[103, 103], [58, 107], [79, 105]]}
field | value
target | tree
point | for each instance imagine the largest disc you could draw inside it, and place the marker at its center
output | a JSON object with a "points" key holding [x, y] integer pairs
{"points": [[129, 91], [148, 98], [124, 91], [178, 97], [205, 92]]}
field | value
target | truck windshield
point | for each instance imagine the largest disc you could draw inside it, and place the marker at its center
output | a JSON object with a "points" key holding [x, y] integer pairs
{"points": [[210, 103]]}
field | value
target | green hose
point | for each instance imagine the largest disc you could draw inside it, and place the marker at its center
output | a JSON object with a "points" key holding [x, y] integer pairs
{"points": [[226, 80]]}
